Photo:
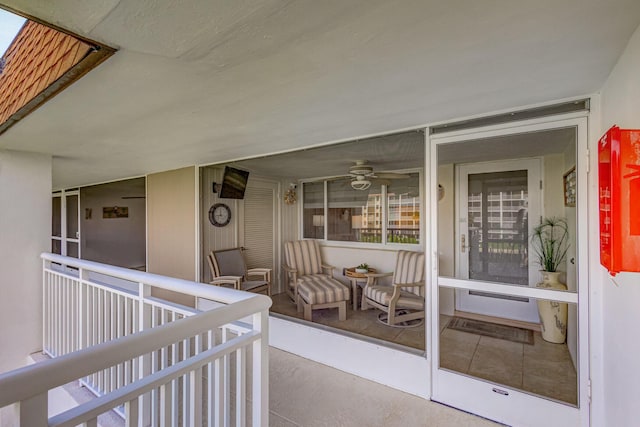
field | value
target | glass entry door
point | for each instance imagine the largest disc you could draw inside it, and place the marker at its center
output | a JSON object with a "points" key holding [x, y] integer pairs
{"points": [[72, 224], [489, 353], [65, 223], [495, 202]]}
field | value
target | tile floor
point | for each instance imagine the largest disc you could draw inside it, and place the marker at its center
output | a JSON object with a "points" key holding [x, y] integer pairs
{"points": [[359, 322], [542, 368]]}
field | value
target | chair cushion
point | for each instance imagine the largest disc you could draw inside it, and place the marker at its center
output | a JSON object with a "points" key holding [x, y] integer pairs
{"points": [[229, 262], [320, 289], [382, 295], [304, 256], [409, 269]]}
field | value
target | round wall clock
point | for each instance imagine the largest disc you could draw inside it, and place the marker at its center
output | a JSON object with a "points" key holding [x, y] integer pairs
{"points": [[220, 215]]}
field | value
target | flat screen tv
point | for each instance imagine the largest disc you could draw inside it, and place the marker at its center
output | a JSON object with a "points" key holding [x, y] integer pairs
{"points": [[234, 182]]}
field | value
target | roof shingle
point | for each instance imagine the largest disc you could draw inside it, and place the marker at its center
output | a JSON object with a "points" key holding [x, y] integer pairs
{"points": [[38, 56]]}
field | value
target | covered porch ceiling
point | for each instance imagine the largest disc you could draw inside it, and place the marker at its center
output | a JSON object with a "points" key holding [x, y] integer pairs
{"points": [[405, 150], [200, 82]]}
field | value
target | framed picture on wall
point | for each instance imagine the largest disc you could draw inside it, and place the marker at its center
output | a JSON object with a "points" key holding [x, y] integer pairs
{"points": [[570, 187]]}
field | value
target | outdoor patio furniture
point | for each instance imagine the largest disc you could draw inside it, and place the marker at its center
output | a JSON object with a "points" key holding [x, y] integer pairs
{"points": [[229, 268], [404, 299], [302, 263], [317, 291]]}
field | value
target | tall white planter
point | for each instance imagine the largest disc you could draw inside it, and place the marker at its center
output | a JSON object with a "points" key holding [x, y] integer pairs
{"points": [[553, 315]]}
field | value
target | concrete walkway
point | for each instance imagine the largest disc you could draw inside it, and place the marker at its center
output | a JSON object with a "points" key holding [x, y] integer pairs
{"points": [[306, 393]]}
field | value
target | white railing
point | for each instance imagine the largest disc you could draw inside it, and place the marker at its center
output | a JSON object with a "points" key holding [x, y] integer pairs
{"points": [[154, 361]]}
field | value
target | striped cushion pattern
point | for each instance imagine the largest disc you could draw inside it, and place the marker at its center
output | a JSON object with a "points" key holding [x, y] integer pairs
{"points": [[320, 289], [304, 256], [409, 269], [382, 295]]}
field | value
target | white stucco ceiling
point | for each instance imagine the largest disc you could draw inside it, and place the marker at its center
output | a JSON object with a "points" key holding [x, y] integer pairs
{"points": [[198, 82]]}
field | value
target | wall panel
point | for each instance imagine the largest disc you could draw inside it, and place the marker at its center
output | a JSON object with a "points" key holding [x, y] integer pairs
{"points": [[171, 226]]}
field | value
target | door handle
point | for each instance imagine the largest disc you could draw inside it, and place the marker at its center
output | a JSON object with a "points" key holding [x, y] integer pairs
{"points": [[463, 246]]}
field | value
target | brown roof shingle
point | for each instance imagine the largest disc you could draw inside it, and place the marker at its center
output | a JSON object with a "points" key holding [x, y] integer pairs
{"points": [[38, 56]]}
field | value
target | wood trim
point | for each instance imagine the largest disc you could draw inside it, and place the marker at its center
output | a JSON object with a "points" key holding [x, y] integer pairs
{"points": [[95, 56]]}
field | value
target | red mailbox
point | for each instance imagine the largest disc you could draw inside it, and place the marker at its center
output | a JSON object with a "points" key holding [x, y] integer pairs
{"points": [[619, 187]]}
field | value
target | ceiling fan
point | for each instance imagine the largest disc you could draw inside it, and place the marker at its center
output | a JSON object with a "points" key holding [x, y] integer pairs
{"points": [[361, 173]]}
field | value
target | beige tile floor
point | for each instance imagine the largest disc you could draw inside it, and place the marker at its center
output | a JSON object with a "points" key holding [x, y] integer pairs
{"points": [[542, 368], [359, 322]]}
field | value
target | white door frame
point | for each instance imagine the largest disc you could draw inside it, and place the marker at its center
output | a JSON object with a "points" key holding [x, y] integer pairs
{"points": [[481, 397], [65, 227], [63, 239]]}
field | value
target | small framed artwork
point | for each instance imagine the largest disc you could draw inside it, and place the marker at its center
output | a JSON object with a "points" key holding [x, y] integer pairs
{"points": [[115, 212], [570, 187]]}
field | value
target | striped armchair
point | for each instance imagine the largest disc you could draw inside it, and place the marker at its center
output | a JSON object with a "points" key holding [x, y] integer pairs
{"points": [[405, 299], [303, 263]]}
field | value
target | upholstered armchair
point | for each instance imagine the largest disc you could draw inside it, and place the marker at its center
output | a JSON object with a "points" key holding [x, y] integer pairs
{"points": [[302, 263], [228, 268], [404, 299]]}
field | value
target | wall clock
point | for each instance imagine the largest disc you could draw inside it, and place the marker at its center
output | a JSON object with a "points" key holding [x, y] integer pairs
{"points": [[219, 215]]}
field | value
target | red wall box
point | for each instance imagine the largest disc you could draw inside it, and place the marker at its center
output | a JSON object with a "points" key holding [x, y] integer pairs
{"points": [[619, 194]]}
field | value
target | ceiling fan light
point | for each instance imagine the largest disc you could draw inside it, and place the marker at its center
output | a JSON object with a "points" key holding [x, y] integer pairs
{"points": [[360, 169], [361, 184]]}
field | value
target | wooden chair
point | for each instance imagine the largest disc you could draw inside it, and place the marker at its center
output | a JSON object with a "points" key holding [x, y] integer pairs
{"points": [[405, 299], [229, 268]]}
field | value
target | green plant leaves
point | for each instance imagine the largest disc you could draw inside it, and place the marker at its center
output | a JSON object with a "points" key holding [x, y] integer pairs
{"points": [[550, 241]]}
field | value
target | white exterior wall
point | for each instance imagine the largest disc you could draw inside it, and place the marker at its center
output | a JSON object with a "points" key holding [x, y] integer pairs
{"points": [[25, 230], [616, 378]]}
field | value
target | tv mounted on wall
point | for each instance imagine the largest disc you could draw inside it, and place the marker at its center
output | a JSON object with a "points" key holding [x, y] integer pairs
{"points": [[234, 182]]}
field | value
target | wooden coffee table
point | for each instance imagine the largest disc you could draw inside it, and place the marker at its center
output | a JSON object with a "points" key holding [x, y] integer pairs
{"points": [[358, 280]]}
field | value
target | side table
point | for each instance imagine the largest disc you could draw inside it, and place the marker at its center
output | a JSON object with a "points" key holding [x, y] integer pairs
{"points": [[358, 280]]}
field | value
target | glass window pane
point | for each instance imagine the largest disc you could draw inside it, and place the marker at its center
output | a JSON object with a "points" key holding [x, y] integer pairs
{"points": [[72, 217], [56, 246], [313, 210], [56, 216], [403, 201], [538, 357], [354, 215], [498, 225], [72, 249]]}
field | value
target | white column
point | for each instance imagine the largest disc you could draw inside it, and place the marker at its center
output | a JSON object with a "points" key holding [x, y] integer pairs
{"points": [[25, 227]]}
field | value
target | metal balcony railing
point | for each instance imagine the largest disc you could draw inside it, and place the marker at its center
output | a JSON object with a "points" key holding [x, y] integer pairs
{"points": [[153, 361]]}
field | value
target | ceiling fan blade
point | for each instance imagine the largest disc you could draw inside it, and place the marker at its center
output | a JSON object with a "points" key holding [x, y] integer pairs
{"points": [[391, 175], [382, 181], [337, 178]]}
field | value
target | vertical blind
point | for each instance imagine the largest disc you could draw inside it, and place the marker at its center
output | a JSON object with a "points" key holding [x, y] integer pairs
{"points": [[258, 227]]}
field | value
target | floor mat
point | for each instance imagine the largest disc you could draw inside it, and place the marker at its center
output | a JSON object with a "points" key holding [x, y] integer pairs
{"points": [[478, 327]]}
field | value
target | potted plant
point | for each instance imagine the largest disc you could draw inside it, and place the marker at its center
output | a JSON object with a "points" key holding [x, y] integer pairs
{"points": [[362, 268], [550, 242]]}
